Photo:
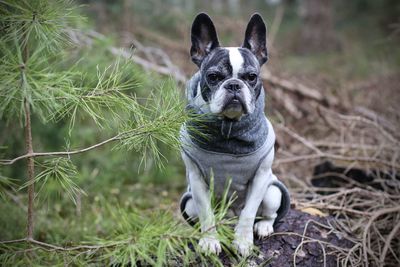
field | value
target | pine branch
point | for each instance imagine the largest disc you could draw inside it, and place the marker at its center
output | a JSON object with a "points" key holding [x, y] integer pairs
{"points": [[156, 239], [55, 247], [63, 153]]}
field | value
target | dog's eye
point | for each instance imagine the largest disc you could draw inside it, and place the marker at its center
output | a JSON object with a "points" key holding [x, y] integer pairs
{"points": [[213, 77], [251, 77]]}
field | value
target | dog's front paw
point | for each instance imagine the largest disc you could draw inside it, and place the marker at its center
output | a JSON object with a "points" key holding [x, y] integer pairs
{"points": [[264, 228], [243, 242], [210, 244], [243, 246]]}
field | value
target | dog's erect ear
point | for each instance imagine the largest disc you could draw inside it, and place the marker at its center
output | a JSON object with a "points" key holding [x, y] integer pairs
{"points": [[204, 38], [255, 38]]}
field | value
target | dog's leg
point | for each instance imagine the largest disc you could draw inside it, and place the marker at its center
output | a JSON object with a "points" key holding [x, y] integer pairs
{"points": [[202, 204], [255, 194], [269, 207]]}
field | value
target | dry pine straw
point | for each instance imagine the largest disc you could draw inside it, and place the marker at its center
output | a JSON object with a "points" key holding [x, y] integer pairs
{"points": [[366, 214]]}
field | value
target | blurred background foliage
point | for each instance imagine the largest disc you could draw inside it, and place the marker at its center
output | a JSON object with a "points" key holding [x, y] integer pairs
{"points": [[361, 44]]}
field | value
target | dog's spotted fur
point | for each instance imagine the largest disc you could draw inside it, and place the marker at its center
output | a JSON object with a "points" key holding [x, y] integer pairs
{"points": [[240, 139]]}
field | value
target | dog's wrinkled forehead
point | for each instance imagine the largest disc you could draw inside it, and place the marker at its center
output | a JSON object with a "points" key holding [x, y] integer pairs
{"points": [[230, 61], [217, 60]]}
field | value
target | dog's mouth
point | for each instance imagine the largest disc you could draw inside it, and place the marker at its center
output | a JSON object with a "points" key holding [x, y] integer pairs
{"points": [[234, 104], [234, 107]]}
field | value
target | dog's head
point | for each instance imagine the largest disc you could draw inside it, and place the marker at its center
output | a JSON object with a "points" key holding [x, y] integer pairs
{"points": [[230, 82]]}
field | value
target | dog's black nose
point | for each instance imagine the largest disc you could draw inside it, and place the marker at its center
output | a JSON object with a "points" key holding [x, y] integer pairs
{"points": [[233, 86]]}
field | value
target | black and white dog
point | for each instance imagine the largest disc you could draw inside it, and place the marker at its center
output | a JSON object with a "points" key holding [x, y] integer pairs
{"points": [[236, 141]]}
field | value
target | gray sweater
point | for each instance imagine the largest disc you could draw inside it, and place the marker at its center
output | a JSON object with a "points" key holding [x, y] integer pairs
{"points": [[231, 149]]}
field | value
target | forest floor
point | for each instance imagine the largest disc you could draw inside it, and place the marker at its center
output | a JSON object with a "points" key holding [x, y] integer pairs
{"points": [[338, 148]]}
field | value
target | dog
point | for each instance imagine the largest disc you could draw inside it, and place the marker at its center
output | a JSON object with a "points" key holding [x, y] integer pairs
{"points": [[234, 141]]}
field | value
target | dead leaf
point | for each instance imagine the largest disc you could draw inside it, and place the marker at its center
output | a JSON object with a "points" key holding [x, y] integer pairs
{"points": [[314, 211]]}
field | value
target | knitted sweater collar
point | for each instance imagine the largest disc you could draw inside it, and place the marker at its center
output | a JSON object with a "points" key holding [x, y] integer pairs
{"points": [[230, 136]]}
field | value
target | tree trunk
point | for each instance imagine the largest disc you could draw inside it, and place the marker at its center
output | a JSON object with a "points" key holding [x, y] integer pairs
{"points": [[31, 171], [317, 32], [28, 146]]}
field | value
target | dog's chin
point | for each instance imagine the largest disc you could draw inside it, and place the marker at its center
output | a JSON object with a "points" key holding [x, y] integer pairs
{"points": [[234, 110]]}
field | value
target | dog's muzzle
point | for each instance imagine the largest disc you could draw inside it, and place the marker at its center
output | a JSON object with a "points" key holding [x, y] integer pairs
{"points": [[234, 101]]}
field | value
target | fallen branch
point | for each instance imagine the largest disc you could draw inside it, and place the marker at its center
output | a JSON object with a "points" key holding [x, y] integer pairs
{"points": [[321, 154], [389, 239], [336, 157], [363, 120], [299, 138], [299, 89], [147, 64], [324, 144], [159, 39], [367, 227], [287, 103], [86, 39], [372, 115]]}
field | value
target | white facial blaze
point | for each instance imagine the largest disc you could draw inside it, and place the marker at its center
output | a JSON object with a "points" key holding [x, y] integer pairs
{"points": [[236, 59], [218, 99]]}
